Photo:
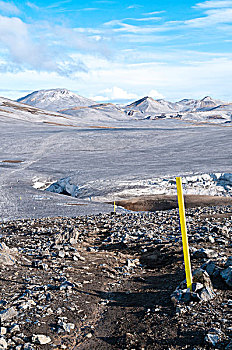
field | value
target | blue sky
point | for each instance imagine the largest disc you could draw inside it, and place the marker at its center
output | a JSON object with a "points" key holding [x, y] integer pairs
{"points": [[117, 51]]}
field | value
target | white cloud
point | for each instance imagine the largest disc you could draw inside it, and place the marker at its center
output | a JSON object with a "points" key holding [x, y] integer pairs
{"points": [[23, 51], [44, 47], [176, 80], [104, 2], [212, 18], [129, 28], [118, 25], [115, 94], [49, 55], [215, 13], [155, 94], [9, 8], [74, 39], [87, 9], [15, 37], [32, 6], [150, 38], [213, 4], [152, 13], [144, 19], [58, 4], [134, 6], [100, 98]]}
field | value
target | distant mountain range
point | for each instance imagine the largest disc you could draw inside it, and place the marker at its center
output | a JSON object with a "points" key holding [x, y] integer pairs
{"points": [[63, 100], [61, 106], [149, 105]]}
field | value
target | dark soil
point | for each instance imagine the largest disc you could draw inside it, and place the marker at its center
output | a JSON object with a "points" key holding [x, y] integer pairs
{"points": [[164, 202], [121, 297]]}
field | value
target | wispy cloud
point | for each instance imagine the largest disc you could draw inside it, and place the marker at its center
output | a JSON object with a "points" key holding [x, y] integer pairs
{"points": [[121, 26], [215, 14], [56, 8], [32, 5], [134, 6], [146, 39], [58, 4], [104, 2], [152, 13], [212, 17], [144, 19], [134, 30], [74, 39], [9, 8], [213, 4], [87, 9], [121, 22]]}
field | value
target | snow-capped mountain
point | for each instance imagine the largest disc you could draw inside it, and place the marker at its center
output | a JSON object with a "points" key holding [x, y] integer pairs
{"points": [[205, 110], [205, 104], [55, 100], [149, 105], [77, 109]]}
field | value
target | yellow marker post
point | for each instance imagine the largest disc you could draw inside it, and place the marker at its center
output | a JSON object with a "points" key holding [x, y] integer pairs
{"points": [[184, 232], [114, 207]]}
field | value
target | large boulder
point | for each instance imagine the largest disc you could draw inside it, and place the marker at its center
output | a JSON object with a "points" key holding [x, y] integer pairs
{"points": [[227, 276], [7, 255], [202, 289], [64, 186], [41, 339]]}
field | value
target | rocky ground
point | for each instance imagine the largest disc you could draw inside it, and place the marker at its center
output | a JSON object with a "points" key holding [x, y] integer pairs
{"points": [[107, 282]]}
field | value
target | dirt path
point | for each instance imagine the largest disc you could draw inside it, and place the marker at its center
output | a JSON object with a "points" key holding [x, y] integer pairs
{"points": [[105, 281], [164, 202]]}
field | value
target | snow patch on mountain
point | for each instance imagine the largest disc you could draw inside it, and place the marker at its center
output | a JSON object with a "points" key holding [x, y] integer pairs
{"points": [[76, 116], [11, 110], [55, 100], [97, 112]]}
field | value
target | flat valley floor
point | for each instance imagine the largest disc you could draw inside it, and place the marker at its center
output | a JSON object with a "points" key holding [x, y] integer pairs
{"points": [[97, 158]]}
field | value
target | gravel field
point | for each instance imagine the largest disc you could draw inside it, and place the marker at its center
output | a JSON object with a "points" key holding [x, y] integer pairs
{"points": [[106, 282]]}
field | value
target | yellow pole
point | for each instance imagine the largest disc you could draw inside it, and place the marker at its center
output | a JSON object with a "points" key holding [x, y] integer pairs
{"points": [[184, 232], [114, 207]]}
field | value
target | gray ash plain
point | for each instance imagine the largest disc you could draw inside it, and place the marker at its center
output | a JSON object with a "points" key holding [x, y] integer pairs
{"points": [[98, 158]]}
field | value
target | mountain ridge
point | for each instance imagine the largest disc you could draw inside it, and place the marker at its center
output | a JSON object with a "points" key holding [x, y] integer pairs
{"points": [[75, 109], [61, 99], [55, 99]]}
